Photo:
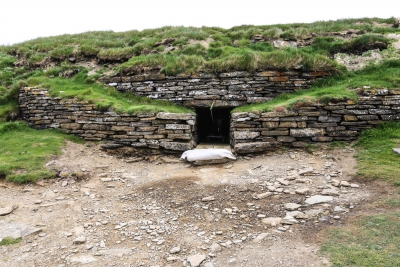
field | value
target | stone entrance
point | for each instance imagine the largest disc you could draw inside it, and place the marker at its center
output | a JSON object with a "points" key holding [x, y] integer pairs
{"points": [[213, 125]]}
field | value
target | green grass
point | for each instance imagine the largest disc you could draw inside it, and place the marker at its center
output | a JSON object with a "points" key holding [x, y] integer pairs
{"points": [[375, 156], [82, 88], [10, 241], [24, 151], [235, 46], [372, 242], [337, 87]]}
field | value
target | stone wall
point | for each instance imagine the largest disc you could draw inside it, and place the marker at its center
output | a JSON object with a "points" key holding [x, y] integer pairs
{"points": [[159, 131], [224, 90], [297, 127]]}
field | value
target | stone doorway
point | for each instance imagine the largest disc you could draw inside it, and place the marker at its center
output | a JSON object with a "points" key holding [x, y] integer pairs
{"points": [[213, 125]]}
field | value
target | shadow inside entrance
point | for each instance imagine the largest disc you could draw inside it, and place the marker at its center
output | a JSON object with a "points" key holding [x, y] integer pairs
{"points": [[213, 126]]}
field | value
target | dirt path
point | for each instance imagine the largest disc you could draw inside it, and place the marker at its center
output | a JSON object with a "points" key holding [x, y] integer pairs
{"points": [[105, 211]]}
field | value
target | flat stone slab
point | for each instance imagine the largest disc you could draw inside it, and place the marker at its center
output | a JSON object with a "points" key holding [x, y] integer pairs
{"points": [[16, 230], [318, 199], [397, 150], [6, 210], [119, 252], [83, 259], [196, 260]]}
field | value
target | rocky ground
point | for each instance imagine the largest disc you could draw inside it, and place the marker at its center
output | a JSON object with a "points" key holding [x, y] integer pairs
{"points": [[104, 210]]}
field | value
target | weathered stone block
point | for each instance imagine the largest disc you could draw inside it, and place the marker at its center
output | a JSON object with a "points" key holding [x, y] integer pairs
{"points": [[288, 124], [329, 119], [255, 147], [154, 136], [306, 132], [302, 124], [382, 111], [177, 146], [322, 138], [393, 117], [279, 79], [180, 136], [322, 125], [245, 135], [343, 133], [274, 133], [270, 124], [285, 139], [350, 118], [174, 116], [278, 114], [122, 128], [71, 126], [139, 133], [177, 127], [297, 118]]}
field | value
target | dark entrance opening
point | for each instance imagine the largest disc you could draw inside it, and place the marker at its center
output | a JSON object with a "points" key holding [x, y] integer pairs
{"points": [[213, 125]]}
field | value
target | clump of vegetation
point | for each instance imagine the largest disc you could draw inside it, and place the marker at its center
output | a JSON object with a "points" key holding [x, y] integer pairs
{"points": [[24, 151], [375, 156], [337, 87], [10, 241], [373, 241]]}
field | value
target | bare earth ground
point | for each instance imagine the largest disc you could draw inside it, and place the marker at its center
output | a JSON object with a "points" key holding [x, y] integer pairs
{"points": [[124, 213]]}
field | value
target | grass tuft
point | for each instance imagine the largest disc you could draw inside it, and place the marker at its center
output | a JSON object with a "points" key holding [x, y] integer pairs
{"points": [[10, 241], [371, 242]]}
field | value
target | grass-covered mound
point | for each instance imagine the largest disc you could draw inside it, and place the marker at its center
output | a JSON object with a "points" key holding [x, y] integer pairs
{"points": [[384, 75]]}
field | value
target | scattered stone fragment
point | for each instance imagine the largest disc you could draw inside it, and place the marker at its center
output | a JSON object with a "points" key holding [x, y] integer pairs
{"points": [[335, 182], [318, 199], [106, 179], [6, 210], [263, 195], [175, 250], [301, 215], [209, 264], [169, 259], [330, 192], [273, 221], [260, 237], [338, 209], [306, 170], [83, 259], [215, 247], [345, 183], [302, 191], [289, 220], [118, 252], [206, 199], [283, 181], [79, 240], [354, 185], [196, 260], [292, 206], [16, 230]]}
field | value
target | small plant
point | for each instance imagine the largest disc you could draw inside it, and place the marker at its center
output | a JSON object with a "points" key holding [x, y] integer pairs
{"points": [[9, 241]]}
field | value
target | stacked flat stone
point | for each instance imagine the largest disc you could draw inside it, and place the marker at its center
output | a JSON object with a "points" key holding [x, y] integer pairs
{"points": [[170, 131], [297, 127], [231, 89]]}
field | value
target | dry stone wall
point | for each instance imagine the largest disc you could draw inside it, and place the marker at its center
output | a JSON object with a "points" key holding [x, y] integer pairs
{"points": [[158, 131], [231, 89], [251, 132]]}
